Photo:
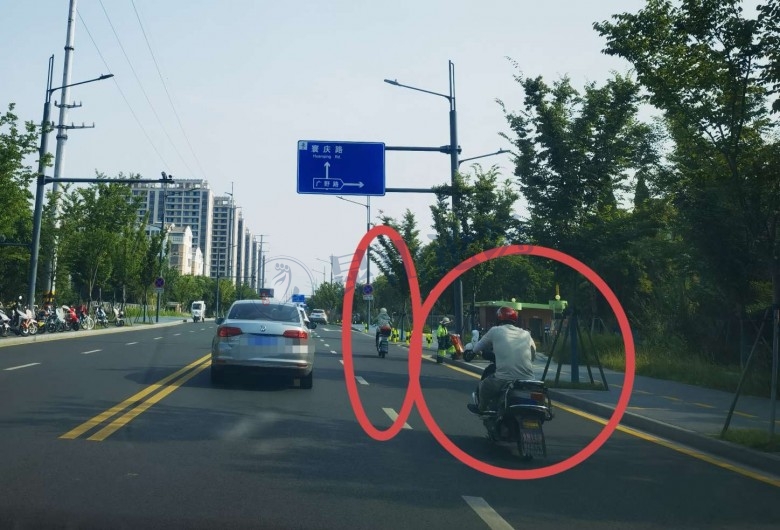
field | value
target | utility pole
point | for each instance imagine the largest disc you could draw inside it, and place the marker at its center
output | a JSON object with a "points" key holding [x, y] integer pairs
{"points": [[62, 138], [261, 262]]}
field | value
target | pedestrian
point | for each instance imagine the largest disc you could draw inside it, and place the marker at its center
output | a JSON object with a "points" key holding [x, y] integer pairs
{"points": [[444, 344]]}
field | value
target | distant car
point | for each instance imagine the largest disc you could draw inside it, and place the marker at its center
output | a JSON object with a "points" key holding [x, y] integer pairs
{"points": [[198, 310], [265, 337], [319, 316]]}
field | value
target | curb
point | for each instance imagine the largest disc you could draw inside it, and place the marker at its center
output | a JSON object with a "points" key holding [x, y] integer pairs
{"points": [[48, 337], [766, 462]]}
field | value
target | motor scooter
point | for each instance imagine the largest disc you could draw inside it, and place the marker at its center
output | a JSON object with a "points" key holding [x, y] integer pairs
{"points": [[519, 414], [5, 323], [21, 321], [71, 318], [101, 319], [119, 316], [382, 343]]}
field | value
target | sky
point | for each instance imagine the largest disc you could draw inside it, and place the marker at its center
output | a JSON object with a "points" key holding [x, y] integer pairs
{"points": [[225, 90]]}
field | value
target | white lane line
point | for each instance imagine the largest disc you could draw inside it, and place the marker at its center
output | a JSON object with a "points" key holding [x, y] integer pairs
{"points": [[334, 352], [326, 345], [176, 334], [19, 367], [131, 343], [90, 351], [361, 380], [192, 331], [394, 415], [487, 514], [157, 338], [341, 361]]}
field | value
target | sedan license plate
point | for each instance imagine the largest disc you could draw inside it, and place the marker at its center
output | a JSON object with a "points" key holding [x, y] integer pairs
{"points": [[261, 340]]}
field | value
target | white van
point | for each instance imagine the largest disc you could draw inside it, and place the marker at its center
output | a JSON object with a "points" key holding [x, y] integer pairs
{"points": [[198, 311]]}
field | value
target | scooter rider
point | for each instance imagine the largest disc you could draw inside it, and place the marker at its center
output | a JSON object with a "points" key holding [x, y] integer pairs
{"points": [[514, 350], [383, 319]]}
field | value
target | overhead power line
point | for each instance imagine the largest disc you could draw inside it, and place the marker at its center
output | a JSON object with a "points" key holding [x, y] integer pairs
{"points": [[140, 84], [170, 100], [121, 92]]}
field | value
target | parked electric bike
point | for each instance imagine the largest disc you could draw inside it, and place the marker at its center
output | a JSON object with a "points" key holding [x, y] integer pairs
{"points": [[85, 321], [119, 316], [71, 318], [382, 343], [519, 414], [22, 321], [101, 319], [5, 323]]}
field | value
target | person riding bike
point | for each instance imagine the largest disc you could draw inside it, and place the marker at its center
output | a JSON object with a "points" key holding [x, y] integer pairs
{"points": [[383, 319], [514, 350]]}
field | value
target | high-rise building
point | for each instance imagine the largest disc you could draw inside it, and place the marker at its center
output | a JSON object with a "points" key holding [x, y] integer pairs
{"points": [[223, 241], [188, 203]]}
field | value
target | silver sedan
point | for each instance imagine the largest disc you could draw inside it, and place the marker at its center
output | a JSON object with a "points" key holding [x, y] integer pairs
{"points": [[263, 336]]}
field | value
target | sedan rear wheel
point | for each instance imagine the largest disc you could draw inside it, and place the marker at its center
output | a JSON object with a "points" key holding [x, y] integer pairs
{"points": [[308, 381], [217, 376]]}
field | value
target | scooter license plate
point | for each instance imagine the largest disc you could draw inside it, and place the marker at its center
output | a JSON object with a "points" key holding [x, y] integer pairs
{"points": [[531, 424]]}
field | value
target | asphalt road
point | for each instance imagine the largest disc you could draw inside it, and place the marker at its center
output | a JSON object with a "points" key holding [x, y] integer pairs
{"points": [[125, 430]]}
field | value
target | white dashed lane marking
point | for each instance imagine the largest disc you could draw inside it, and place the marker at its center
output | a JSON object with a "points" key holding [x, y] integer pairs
{"points": [[487, 514], [20, 367], [394, 415]]}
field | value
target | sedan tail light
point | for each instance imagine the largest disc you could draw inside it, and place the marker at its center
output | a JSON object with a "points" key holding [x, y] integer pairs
{"points": [[295, 334], [228, 331]]}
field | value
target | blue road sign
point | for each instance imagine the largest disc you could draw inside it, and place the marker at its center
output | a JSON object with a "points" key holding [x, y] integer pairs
{"points": [[298, 299], [341, 168], [368, 289]]}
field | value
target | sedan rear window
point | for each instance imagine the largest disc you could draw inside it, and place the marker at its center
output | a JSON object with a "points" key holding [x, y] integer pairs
{"points": [[260, 311]]}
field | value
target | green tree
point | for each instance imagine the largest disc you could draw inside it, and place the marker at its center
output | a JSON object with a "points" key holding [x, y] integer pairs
{"points": [[17, 142], [485, 220], [702, 64], [579, 155], [94, 222], [330, 297], [391, 265]]}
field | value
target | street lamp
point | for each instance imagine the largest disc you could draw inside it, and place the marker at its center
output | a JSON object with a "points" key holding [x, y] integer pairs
{"points": [[458, 284], [41, 181], [330, 262], [367, 206], [165, 180], [499, 152]]}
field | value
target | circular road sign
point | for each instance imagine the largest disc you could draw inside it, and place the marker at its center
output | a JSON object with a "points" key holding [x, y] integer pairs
{"points": [[368, 289], [159, 283]]}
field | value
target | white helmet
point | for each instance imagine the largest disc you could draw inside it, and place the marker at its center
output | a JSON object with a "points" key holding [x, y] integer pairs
{"points": [[383, 310]]}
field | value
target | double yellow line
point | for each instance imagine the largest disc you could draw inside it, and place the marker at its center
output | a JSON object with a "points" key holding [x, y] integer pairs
{"points": [[168, 385]]}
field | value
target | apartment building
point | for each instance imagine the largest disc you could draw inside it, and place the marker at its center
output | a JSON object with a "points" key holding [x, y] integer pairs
{"points": [[223, 240], [185, 203]]}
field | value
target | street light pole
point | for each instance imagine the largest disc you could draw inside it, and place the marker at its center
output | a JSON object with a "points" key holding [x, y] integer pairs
{"points": [[367, 206], [454, 163], [166, 178], [40, 189], [331, 268]]}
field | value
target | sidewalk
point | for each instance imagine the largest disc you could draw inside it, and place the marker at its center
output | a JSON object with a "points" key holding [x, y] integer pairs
{"points": [[687, 414], [14, 340], [691, 415]]}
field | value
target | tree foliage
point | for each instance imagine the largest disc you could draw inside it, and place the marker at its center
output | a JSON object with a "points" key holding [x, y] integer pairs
{"points": [[17, 142], [707, 67]]}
